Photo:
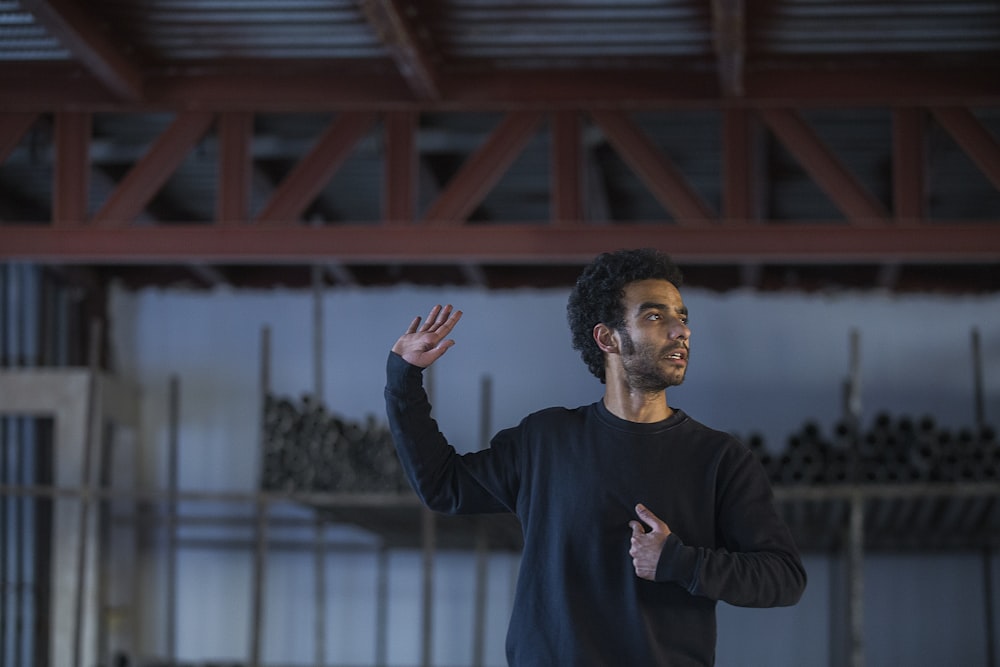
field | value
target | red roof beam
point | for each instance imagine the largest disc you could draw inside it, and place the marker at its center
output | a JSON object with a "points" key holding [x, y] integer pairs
{"points": [[151, 172], [664, 180], [830, 175], [301, 187], [977, 142], [76, 30], [483, 169]]}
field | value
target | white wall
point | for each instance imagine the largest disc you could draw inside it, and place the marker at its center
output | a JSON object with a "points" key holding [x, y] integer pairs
{"points": [[762, 363]]}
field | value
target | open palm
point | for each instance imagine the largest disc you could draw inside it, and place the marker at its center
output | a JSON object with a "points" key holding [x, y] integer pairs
{"points": [[423, 344]]}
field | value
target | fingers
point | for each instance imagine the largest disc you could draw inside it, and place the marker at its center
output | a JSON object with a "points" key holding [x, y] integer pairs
{"points": [[650, 519], [440, 320], [413, 325], [637, 528]]}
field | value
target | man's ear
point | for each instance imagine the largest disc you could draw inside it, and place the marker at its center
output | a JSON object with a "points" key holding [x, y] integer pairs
{"points": [[606, 339]]}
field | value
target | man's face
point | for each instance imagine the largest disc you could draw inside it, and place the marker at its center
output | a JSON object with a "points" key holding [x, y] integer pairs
{"points": [[655, 338]]}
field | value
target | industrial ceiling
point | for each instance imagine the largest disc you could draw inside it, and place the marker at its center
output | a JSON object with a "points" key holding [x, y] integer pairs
{"points": [[776, 144]]}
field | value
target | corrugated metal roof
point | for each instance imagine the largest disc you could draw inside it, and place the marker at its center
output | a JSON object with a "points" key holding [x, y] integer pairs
{"points": [[23, 38]]}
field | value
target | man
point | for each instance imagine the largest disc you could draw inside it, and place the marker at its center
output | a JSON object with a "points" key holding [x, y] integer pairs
{"points": [[636, 518]]}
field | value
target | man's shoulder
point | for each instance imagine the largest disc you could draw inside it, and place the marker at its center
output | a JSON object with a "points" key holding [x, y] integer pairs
{"points": [[557, 416], [713, 436]]}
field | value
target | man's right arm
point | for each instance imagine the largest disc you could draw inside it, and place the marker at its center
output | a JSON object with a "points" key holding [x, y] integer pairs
{"points": [[443, 479]]}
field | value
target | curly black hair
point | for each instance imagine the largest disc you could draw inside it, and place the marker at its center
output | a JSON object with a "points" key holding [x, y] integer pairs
{"points": [[597, 296]]}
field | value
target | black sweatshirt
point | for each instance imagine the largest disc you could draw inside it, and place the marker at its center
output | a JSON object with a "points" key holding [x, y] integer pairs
{"points": [[573, 478]]}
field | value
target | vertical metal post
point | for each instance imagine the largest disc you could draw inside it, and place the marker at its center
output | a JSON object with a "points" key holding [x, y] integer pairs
{"points": [[6, 550], [86, 480], [991, 631], [977, 380], [172, 490], [852, 402], [317, 285], [482, 537], [260, 533], [320, 563], [482, 572], [320, 599], [855, 573], [428, 538], [382, 609]]}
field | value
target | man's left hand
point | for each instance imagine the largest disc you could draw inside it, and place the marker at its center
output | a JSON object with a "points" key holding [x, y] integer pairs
{"points": [[647, 546]]}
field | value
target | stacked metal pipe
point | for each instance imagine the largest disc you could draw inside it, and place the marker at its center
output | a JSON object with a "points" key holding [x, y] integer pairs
{"points": [[900, 449], [307, 448]]}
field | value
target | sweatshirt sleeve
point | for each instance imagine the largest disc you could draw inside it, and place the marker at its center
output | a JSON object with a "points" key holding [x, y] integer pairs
{"points": [[444, 480], [757, 564]]}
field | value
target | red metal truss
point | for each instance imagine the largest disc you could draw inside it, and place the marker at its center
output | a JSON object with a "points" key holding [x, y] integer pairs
{"points": [[77, 30], [301, 186], [235, 168], [148, 175], [838, 183], [697, 233], [483, 169], [398, 33], [813, 243], [655, 169], [975, 140], [12, 128]]}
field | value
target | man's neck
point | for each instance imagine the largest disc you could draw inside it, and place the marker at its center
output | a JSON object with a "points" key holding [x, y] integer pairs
{"points": [[636, 406]]}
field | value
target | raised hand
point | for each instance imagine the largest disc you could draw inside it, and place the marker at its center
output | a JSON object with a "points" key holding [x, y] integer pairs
{"points": [[647, 546], [424, 344]]}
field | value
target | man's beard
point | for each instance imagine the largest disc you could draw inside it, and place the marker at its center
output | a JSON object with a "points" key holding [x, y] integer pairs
{"points": [[642, 365]]}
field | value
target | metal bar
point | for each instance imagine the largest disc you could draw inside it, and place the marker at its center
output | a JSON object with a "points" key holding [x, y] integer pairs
{"points": [[427, 532], [729, 40], [566, 168], [301, 187], [977, 381], [483, 169], [148, 175], [269, 87], [399, 185], [846, 192], [86, 484], [988, 613], [909, 165], [975, 139], [961, 242], [855, 569], [13, 127], [71, 177], [173, 428], [400, 34], [232, 204], [5, 475], [382, 609], [317, 294], [664, 180], [740, 194], [20, 545], [257, 585], [84, 35], [482, 573], [482, 535], [260, 506], [319, 555]]}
